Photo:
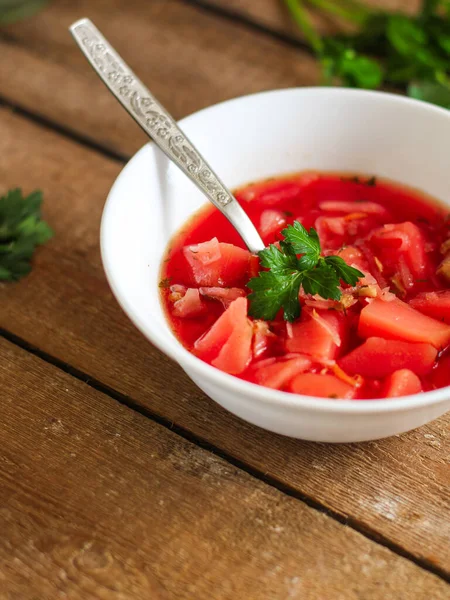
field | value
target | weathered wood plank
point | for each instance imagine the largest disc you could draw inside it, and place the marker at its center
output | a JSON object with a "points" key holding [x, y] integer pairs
{"points": [[397, 487], [97, 501], [189, 59], [274, 15]]}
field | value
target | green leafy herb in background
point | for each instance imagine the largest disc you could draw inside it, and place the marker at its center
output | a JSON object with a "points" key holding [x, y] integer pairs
{"points": [[279, 286], [386, 49], [21, 230], [12, 11]]}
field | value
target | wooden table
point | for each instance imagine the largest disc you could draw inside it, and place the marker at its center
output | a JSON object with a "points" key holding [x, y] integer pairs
{"points": [[119, 479]]}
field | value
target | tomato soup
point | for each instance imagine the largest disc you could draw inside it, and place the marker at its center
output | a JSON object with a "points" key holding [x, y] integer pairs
{"points": [[386, 336]]}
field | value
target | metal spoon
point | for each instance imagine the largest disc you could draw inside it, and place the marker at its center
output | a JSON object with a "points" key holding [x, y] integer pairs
{"points": [[161, 127]]}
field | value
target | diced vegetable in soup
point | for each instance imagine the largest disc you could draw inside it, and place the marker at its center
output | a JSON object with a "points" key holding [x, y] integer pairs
{"points": [[350, 299]]}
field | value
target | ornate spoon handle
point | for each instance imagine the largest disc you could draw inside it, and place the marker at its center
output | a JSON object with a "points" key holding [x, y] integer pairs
{"points": [[160, 126]]}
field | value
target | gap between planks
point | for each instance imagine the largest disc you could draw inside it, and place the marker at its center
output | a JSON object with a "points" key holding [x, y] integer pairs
{"points": [[66, 132], [202, 443]]}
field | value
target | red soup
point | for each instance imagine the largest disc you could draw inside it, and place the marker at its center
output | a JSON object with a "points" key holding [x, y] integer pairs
{"points": [[387, 335]]}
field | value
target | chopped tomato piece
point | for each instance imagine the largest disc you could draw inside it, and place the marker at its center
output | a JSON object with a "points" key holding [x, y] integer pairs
{"points": [[434, 304], [320, 337], [280, 373], [401, 247], [331, 325], [331, 231], [399, 321], [234, 263], [271, 222], [225, 295], [325, 386], [190, 305], [378, 357], [354, 258], [334, 232], [236, 353], [210, 343], [416, 257], [206, 252], [228, 342], [376, 267], [401, 383], [392, 236], [216, 263]]}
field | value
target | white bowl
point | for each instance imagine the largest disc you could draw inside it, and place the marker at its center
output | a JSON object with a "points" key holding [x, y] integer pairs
{"points": [[252, 138]]}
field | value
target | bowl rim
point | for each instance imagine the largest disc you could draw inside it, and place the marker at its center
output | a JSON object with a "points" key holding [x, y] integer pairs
{"points": [[276, 398]]}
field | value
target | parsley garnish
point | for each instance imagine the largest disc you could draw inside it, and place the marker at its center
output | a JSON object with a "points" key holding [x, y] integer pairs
{"points": [[21, 230], [279, 286]]}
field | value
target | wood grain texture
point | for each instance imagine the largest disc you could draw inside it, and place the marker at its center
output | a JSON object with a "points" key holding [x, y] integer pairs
{"points": [[273, 14], [96, 501], [188, 58], [398, 487]]}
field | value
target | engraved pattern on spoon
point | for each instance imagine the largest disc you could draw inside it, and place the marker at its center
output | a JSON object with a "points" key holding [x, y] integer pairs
{"points": [[147, 111]]}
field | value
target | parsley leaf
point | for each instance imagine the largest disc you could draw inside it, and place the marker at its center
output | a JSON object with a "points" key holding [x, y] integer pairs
{"points": [[433, 92], [322, 280], [303, 242], [273, 291], [279, 286], [343, 271], [384, 48], [21, 230], [282, 261]]}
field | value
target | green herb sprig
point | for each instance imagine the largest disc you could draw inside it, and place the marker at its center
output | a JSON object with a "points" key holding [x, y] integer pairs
{"points": [[386, 49], [21, 230], [279, 286]]}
